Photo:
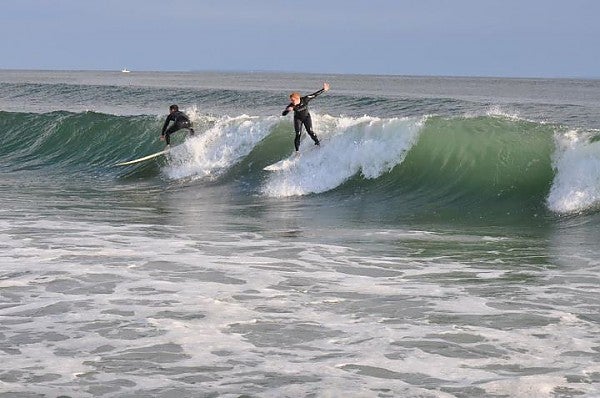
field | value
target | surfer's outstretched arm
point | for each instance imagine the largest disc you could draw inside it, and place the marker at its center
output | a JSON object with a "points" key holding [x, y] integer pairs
{"points": [[316, 93]]}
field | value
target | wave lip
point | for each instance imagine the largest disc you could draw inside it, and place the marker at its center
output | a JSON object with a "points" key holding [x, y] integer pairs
{"points": [[367, 145]]}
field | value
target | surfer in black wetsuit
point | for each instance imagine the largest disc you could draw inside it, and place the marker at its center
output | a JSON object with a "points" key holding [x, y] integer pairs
{"points": [[299, 105], [181, 122]]}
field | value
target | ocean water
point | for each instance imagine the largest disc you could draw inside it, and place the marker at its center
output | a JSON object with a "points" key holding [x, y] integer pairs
{"points": [[441, 242]]}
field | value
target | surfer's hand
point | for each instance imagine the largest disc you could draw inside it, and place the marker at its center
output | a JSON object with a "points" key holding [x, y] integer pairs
{"points": [[326, 86], [162, 137], [289, 108]]}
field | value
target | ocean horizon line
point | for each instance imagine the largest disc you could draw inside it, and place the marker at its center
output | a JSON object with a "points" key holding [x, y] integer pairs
{"points": [[310, 73]]}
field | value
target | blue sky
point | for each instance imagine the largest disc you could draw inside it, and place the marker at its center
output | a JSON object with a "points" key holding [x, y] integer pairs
{"points": [[529, 38]]}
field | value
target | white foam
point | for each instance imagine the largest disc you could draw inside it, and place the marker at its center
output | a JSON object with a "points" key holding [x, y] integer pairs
{"points": [[237, 307], [367, 145], [576, 186], [496, 110], [208, 154]]}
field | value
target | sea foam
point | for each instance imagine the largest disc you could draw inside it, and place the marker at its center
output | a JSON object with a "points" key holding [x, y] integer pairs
{"points": [[207, 155], [576, 186], [367, 145]]}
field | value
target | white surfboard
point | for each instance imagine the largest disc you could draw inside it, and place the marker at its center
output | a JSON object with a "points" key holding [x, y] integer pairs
{"points": [[152, 156], [288, 162], [281, 165]]}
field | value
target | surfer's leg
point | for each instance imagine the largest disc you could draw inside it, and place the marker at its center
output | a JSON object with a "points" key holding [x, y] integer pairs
{"points": [[308, 126], [298, 129]]}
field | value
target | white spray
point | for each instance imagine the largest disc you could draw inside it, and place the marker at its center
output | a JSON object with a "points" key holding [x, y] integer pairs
{"points": [[576, 186], [207, 155], [367, 145]]}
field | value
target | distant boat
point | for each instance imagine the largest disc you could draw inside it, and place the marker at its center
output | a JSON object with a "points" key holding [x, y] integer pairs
{"points": [[125, 70]]}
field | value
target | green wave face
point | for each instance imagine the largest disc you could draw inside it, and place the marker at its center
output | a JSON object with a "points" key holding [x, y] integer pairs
{"points": [[483, 156], [80, 141], [469, 167]]}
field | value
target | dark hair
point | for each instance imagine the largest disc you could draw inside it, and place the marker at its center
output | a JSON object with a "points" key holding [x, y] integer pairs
{"points": [[173, 108]]}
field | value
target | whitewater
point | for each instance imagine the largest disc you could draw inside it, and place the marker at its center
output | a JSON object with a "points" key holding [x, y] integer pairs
{"points": [[440, 242]]}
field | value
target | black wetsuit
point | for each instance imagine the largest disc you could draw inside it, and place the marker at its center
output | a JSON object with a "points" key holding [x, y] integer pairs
{"points": [[181, 122], [302, 117]]}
